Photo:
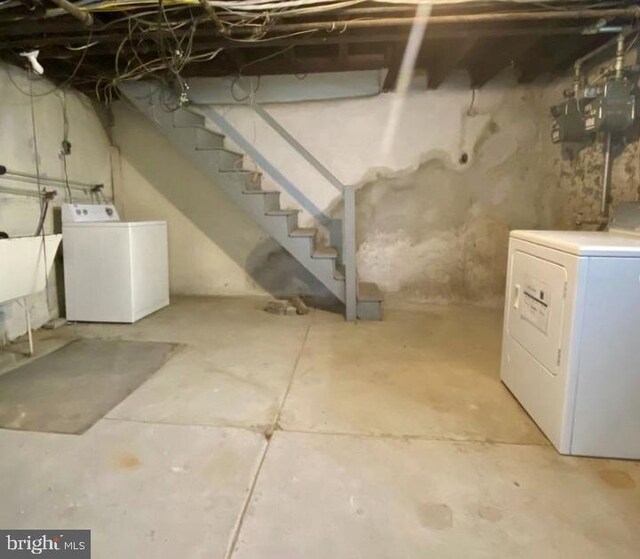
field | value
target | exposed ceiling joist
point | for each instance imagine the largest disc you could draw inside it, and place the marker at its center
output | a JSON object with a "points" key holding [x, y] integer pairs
{"points": [[393, 63], [495, 56], [442, 58], [204, 38]]}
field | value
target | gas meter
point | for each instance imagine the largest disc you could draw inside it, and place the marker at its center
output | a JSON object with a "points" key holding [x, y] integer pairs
{"points": [[568, 122], [614, 109]]}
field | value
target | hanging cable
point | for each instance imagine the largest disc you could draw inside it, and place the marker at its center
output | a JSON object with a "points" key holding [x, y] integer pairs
{"points": [[65, 145], [472, 103], [41, 195], [35, 140]]}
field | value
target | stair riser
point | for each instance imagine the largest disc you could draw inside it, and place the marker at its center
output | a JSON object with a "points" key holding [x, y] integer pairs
{"points": [[252, 182], [182, 119], [304, 245], [227, 160], [208, 140], [369, 310], [245, 181], [271, 200], [292, 223]]}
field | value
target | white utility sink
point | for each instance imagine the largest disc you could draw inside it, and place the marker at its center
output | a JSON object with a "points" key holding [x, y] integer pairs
{"points": [[25, 263]]}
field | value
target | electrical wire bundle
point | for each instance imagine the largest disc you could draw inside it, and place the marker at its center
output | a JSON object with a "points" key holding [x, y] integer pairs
{"points": [[174, 43], [159, 36]]}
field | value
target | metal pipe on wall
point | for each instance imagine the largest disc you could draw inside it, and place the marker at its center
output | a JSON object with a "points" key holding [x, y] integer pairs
{"points": [[341, 25], [608, 139], [606, 176], [20, 191], [619, 56], [80, 14], [34, 179]]}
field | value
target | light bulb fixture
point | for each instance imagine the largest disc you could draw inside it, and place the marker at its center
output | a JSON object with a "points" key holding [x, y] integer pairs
{"points": [[32, 57]]}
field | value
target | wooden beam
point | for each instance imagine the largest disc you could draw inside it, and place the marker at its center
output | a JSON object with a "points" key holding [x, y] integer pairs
{"points": [[393, 61], [540, 60], [343, 51], [441, 58], [495, 55], [111, 38], [297, 66], [237, 57], [575, 49]]}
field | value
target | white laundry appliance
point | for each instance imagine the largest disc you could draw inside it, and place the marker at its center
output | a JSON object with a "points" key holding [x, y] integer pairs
{"points": [[571, 340], [114, 271]]}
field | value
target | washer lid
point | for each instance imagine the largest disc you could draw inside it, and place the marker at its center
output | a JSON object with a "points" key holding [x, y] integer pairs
{"points": [[111, 224], [584, 243]]}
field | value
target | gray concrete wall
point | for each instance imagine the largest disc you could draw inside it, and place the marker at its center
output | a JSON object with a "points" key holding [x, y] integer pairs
{"points": [[577, 169], [435, 203], [579, 180], [439, 232], [89, 161]]}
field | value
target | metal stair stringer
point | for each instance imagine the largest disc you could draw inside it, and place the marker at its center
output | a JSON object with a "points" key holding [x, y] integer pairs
{"points": [[188, 132]]}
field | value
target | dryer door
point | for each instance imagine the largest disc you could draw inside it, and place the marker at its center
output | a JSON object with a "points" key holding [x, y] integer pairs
{"points": [[536, 315]]}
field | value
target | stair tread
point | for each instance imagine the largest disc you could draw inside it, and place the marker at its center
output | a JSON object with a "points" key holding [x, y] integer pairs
{"points": [[261, 192], [219, 134], [227, 150], [244, 171], [303, 232], [203, 128], [200, 126], [368, 291], [324, 252], [207, 130], [282, 212]]}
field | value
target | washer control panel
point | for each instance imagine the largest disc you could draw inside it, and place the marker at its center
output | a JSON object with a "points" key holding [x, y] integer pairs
{"points": [[83, 213]]}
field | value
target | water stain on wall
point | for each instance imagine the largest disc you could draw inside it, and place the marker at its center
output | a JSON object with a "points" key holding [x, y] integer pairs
{"points": [[440, 232], [579, 183]]}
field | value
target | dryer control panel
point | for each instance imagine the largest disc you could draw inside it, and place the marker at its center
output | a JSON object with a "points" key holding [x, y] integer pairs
{"points": [[83, 213]]}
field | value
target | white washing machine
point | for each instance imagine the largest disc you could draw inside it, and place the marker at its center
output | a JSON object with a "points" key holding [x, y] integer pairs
{"points": [[114, 271], [571, 341]]}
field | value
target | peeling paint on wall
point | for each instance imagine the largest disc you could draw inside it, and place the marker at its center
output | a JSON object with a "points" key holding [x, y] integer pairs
{"points": [[579, 186], [440, 233], [434, 213]]}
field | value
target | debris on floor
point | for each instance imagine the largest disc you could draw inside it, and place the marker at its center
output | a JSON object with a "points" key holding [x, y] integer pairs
{"points": [[299, 304], [55, 323], [288, 307]]}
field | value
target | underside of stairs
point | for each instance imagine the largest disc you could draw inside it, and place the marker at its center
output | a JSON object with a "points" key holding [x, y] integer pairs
{"points": [[207, 149]]}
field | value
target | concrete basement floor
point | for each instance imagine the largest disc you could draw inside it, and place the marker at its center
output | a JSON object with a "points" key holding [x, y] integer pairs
{"points": [[392, 439]]}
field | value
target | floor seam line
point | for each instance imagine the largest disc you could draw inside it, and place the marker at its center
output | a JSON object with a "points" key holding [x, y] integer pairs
{"points": [[410, 438], [276, 421], [256, 430], [235, 535]]}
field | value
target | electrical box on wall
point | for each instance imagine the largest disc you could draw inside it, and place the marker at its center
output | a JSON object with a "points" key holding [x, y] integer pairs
{"points": [[568, 122], [614, 109]]}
